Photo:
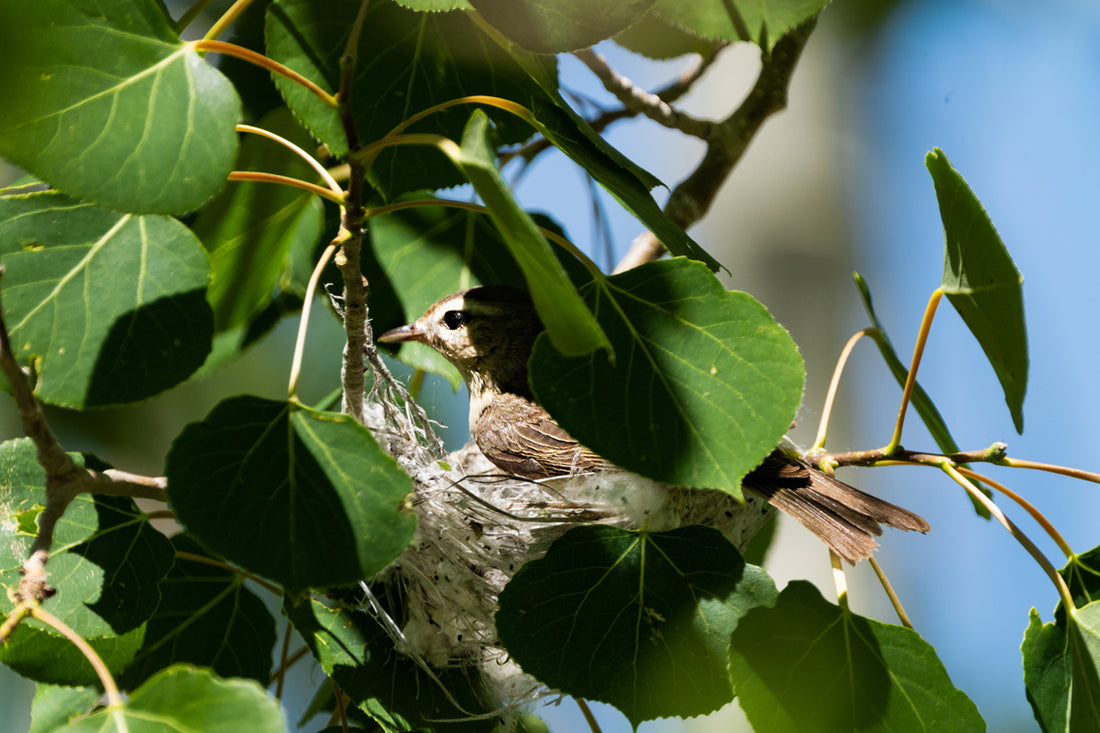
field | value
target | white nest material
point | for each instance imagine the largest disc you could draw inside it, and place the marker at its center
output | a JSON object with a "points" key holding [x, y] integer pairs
{"points": [[477, 528]]}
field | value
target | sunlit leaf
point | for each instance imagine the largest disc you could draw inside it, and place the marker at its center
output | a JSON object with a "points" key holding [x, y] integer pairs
{"points": [[303, 497], [106, 562], [806, 665], [55, 705], [416, 59], [111, 306], [704, 385], [761, 21], [639, 620], [560, 25], [982, 282], [118, 110], [184, 698]]}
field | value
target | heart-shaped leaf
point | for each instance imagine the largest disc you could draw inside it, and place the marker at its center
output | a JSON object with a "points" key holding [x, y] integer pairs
{"points": [[640, 620], [560, 25], [306, 498], [807, 665], [104, 101], [112, 306], [704, 385]]}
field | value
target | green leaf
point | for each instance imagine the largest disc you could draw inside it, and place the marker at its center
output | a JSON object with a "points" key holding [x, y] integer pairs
{"points": [[417, 59], [206, 617], [560, 25], [102, 100], [761, 21], [111, 306], [622, 178], [1056, 662], [106, 562], [919, 399], [54, 706], [639, 620], [354, 650], [1061, 662], [982, 282], [251, 229], [306, 498], [806, 665], [184, 698], [434, 6], [704, 386], [569, 324], [656, 38]]}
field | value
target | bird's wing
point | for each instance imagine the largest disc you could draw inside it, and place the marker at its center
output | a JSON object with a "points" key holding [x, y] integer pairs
{"points": [[519, 437]]}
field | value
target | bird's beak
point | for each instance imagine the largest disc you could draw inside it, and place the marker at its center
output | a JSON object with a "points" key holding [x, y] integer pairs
{"points": [[411, 332]]}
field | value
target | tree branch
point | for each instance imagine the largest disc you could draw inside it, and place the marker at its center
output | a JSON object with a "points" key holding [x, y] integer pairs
{"points": [[639, 101], [693, 196]]}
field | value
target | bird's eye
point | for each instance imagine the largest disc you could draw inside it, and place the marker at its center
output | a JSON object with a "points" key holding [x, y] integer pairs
{"points": [[454, 319]]}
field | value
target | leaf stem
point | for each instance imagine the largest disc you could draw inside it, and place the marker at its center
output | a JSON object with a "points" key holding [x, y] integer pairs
{"points": [[190, 14], [1027, 506], [222, 23], [214, 562], [838, 370], [840, 580], [110, 689], [886, 586], [588, 716], [303, 320], [1051, 468], [263, 177], [309, 159], [247, 54], [1023, 539], [911, 379]]}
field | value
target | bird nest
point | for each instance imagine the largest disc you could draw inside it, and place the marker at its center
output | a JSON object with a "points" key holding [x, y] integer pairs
{"points": [[477, 527]]}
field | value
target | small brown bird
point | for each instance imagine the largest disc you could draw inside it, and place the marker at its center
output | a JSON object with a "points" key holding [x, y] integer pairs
{"points": [[488, 332]]}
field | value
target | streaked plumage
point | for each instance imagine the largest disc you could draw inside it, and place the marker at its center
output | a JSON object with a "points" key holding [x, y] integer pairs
{"points": [[488, 332]]}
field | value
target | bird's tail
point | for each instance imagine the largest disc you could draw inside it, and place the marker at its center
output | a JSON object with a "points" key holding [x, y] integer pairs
{"points": [[845, 518]]}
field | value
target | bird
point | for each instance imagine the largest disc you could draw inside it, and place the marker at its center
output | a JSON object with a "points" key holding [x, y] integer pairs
{"points": [[488, 332]]}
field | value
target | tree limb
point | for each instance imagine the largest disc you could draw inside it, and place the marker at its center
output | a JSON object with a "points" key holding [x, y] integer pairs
{"points": [[693, 196]]}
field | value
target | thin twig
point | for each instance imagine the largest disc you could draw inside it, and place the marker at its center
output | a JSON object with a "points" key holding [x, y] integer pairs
{"points": [[693, 196], [894, 600], [640, 101], [911, 379], [834, 384]]}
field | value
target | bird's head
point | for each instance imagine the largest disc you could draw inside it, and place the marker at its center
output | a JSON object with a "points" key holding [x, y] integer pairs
{"points": [[486, 332]]}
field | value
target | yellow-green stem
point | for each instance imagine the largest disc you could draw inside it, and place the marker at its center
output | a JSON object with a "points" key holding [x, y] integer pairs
{"points": [[261, 177], [309, 159], [834, 384], [303, 321], [911, 379], [894, 600], [247, 54], [1027, 506], [222, 23]]}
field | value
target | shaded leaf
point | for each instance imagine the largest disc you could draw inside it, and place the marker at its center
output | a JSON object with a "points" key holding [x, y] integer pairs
{"points": [[655, 38], [351, 646], [251, 228], [807, 665], [560, 25], [761, 21], [106, 562], [303, 497], [184, 698], [104, 101], [570, 326], [207, 617], [982, 282], [416, 59], [434, 6], [112, 306], [639, 620], [704, 386]]}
